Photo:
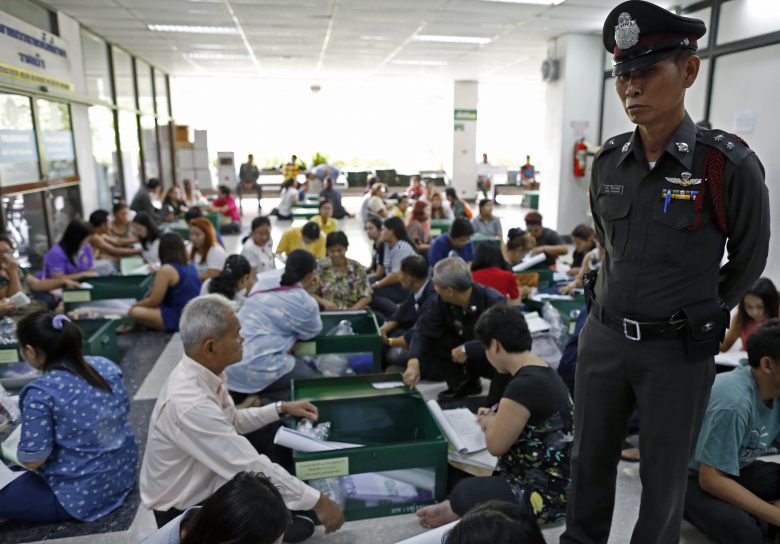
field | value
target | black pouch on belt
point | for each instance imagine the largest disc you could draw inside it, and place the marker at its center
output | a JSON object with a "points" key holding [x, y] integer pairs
{"points": [[706, 325]]}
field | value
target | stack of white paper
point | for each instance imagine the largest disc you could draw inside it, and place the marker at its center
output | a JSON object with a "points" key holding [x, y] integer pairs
{"points": [[482, 459], [529, 262], [298, 441], [461, 428], [536, 323]]}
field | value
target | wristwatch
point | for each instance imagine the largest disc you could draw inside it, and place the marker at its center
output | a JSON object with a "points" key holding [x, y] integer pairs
{"points": [[279, 411]]}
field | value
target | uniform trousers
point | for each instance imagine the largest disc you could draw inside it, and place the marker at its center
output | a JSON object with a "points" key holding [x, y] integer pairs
{"points": [[725, 523], [615, 375], [29, 498]]}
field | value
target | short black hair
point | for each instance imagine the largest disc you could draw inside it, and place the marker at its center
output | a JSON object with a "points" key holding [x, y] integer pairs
{"points": [[498, 522], [337, 238], [224, 189], [533, 218], [764, 342], [375, 221], [311, 231], [98, 218], [488, 255], [193, 213], [460, 228], [506, 324], [172, 249], [484, 202], [583, 232], [260, 221], [153, 183], [325, 202], [119, 206], [450, 191], [415, 266]]}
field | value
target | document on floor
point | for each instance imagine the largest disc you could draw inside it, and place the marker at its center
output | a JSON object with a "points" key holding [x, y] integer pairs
{"points": [[461, 428], [433, 536], [536, 323], [290, 438]]}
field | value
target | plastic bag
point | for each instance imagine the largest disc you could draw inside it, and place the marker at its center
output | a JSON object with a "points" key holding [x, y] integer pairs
{"points": [[332, 365], [320, 431], [7, 331], [557, 331], [9, 407], [333, 488], [344, 328]]}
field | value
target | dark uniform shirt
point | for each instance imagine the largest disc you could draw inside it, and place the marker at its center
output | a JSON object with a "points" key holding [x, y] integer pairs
{"points": [[655, 261], [407, 312], [443, 326]]}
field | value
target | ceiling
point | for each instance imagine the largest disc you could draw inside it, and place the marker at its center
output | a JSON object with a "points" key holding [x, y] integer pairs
{"points": [[333, 38]]}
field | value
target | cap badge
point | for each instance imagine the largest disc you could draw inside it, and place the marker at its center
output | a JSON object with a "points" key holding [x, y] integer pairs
{"points": [[626, 32], [719, 138], [730, 146], [685, 180], [611, 142], [625, 147], [682, 147]]}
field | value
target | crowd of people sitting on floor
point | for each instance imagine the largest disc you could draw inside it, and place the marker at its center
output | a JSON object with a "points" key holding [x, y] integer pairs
{"points": [[450, 311]]}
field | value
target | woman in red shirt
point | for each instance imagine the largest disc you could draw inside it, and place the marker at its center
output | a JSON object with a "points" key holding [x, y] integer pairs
{"points": [[226, 205], [490, 269]]}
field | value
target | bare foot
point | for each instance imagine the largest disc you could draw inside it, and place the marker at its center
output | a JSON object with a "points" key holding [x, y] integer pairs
{"points": [[436, 515], [630, 455]]}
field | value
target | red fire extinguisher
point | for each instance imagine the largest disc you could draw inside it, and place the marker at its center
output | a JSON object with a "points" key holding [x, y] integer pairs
{"points": [[580, 156]]}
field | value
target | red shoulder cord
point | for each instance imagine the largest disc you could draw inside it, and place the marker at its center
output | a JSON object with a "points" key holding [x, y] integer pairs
{"points": [[713, 182]]}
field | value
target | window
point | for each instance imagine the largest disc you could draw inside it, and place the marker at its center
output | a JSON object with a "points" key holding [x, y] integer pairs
{"points": [[63, 206], [149, 142], [143, 74], [96, 67], [59, 158], [33, 14], [128, 141], [25, 224], [18, 150], [101, 122], [161, 95], [123, 79]]}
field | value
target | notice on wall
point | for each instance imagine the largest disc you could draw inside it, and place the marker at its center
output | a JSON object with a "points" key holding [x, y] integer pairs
{"points": [[30, 54], [744, 121], [465, 115]]}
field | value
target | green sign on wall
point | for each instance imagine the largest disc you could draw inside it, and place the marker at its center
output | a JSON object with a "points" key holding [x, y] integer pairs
{"points": [[465, 115]]}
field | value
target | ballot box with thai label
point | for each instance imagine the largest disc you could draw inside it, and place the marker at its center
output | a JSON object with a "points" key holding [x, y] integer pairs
{"points": [[439, 226], [360, 341], [108, 288], [399, 463]]}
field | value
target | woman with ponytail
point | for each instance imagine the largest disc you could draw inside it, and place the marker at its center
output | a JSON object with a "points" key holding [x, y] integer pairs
{"points": [[233, 282], [76, 438], [277, 313]]}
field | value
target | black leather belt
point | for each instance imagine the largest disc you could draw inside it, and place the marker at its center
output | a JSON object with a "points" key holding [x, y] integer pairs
{"points": [[638, 330]]}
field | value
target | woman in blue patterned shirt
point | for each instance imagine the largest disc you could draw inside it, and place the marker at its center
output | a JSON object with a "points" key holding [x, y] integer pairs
{"points": [[76, 439]]}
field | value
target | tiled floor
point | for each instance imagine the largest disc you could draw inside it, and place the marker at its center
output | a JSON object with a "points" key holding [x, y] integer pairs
{"points": [[377, 531]]}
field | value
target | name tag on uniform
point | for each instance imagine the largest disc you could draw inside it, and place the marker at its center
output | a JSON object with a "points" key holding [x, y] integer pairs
{"points": [[611, 190]]}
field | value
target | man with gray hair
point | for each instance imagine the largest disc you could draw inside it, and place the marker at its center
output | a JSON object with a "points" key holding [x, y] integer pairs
{"points": [[195, 444], [444, 346]]}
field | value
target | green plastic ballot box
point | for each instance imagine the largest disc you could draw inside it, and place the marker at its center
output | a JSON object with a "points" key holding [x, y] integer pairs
{"points": [[99, 339], [365, 340], [478, 239], [440, 226], [566, 308], [301, 212], [530, 200], [307, 205], [401, 464], [107, 288]]}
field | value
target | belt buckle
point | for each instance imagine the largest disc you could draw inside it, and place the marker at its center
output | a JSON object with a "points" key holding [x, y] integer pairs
{"points": [[630, 322]]}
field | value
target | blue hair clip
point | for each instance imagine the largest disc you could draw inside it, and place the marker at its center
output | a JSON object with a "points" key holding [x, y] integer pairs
{"points": [[58, 321]]}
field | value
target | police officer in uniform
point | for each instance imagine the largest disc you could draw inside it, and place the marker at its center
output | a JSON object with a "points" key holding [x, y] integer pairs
{"points": [[666, 198]]}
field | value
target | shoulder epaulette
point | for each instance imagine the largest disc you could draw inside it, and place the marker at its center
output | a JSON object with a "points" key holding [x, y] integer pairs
{"points": [[614, 143], [734, 148]]}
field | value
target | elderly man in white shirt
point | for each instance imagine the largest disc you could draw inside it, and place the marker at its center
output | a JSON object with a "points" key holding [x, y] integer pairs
{"points": [[195, 444]]}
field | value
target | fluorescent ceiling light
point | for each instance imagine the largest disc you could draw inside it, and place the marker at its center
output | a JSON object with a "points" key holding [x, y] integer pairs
{"points": [[194, 29], [418, 62], [535, 2], [451, 39], [215, 56]]}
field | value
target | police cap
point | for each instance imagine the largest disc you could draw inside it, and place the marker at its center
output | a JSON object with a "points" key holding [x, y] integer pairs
{"points": [[639, 34]]}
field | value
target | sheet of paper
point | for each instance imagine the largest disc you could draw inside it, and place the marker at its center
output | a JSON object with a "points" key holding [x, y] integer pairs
{"points": [[549, 296], [430, 537], [731, 358], [290, 438], [387, 385], [529, 262], [7, 475], [481, 459], [461, 428], [536, 323]]}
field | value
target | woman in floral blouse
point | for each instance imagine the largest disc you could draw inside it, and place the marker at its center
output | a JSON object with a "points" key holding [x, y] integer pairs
{"points": [[341, 283]]}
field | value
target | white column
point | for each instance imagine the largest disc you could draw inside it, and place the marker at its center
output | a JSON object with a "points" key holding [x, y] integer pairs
{"points": [[464, 138], [82, 133], [573, 111]]}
